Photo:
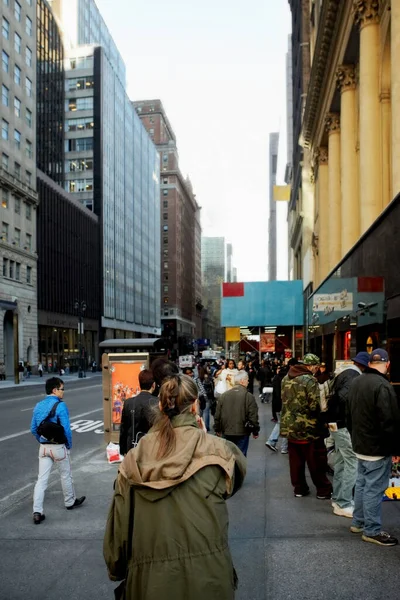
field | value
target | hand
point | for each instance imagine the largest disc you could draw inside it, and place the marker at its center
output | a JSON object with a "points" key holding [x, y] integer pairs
{"points": [[255, 437], [219, 434]]}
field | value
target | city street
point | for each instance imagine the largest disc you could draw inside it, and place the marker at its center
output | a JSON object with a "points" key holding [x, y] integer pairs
{"points": [[283, 547]]}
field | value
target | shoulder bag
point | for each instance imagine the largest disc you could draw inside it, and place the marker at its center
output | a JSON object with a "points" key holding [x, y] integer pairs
{"points": [[53, 432]]}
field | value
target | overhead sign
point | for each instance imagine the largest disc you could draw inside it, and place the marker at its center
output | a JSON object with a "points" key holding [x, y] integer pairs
{"points": [[329, 303], [232, 334]]}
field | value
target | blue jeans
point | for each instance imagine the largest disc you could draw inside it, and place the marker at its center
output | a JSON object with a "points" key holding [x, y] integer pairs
{"points": [[345, 469], [241, 441], [274, 436], [372, 481], [205, 415]]}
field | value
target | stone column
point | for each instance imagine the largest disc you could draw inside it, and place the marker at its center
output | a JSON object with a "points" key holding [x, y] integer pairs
{"points": [[323, 197], [367, 17], [332, 122], [386, 123], [395, 93], [350, 208]]}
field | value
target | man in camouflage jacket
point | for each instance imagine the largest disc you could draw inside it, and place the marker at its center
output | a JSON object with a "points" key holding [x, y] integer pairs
{"points": [[301, 425]]}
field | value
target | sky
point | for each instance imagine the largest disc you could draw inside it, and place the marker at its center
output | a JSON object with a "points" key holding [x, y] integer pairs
{"points": [[218, 67]]}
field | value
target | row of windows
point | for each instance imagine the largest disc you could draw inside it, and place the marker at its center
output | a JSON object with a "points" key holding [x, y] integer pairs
{"points": [[17, 138], [85, 103], [5, 203], [12, 270], [82, 62], [79, 84], [5, 25], [7, 2], [79, 124], [5, 61], [79, 185], [16, 240], [5, 163], [5, 100], [79, 164], [79, 145]]}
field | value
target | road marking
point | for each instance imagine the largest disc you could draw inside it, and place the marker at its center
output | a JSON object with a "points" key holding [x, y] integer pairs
{"points": [[15, 435], [25, 409], [40, 397], [84, 426]]}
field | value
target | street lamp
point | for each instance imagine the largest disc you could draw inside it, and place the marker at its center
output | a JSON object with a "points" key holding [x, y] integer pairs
{"points": [[80, 307]]}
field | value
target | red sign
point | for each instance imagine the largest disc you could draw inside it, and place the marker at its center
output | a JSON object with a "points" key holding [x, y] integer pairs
{"points": [[232, 290], [267, 342]]}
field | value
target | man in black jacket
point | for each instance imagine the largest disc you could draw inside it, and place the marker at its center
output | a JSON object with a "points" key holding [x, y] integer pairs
{"points": [[138, 413], [374, 424]]}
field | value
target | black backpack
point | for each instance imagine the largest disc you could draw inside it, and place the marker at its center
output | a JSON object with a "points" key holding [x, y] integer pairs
{"points": [[53, 432]]}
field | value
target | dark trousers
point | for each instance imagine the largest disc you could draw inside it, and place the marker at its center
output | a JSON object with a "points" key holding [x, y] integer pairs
{"points": [[314, 454], [241, 441]]}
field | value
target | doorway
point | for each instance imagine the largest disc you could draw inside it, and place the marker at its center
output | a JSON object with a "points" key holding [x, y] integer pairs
{"points": [[8, 337]]}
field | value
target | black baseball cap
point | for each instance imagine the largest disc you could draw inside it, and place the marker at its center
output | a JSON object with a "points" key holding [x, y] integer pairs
{"points": [[379, 355]]}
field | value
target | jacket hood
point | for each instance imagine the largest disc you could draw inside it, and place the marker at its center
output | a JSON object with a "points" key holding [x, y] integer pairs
{"points": [[194, 450], [297, 370]]}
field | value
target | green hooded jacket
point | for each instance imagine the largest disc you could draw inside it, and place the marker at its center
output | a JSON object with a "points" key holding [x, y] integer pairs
{"points": [[301, 406], [167, 529]]}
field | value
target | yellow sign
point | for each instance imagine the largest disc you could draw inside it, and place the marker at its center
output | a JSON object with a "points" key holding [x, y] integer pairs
{"points": [[232, 334], [281, 193]]}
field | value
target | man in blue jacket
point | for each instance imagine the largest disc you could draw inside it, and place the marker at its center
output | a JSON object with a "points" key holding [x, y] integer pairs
{"points": [[51, 451]]}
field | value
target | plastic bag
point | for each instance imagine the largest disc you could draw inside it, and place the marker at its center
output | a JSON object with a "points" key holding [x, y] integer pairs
{"points": [[220, 388], [113, 455]]}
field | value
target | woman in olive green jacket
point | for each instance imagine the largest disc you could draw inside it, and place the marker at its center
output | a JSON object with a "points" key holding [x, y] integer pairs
{"points": [[167, 529]]}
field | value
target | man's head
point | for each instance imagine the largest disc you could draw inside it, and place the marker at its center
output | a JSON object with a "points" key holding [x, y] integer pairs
{"points": [[55, 387], [146, 381], [312, 362], [361, 360], [241, 365], [242, 378], [162, 368], [379, 360], [322, 367], [188, 371]]}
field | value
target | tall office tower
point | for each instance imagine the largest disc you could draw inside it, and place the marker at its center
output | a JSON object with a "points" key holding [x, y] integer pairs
{"points": [[229, 252], [112, 168], [180, 233], [18, 305], [213, 275], [272, 233]]}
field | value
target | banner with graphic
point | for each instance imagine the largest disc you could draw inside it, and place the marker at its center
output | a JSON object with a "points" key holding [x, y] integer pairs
{"points": [[393, 491], [267, 342], [124, 385]]}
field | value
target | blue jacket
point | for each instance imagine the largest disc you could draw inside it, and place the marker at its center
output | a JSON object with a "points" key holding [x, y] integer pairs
{"points": [[42, 410]]}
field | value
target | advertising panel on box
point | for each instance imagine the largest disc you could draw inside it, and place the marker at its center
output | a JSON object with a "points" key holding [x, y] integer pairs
{"points": [[124, 384]]}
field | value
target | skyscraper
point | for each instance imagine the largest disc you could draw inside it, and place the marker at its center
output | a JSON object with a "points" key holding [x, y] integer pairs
{"points": [[213, 275], [272, 239]]}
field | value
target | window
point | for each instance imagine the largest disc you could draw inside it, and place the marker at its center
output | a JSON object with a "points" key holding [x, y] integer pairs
{"points": [[165, 276], [165, 157], [28, 241], [29, 178], [165, 216], [28, 26], [17, 236], [81, 83], [4, 129], [79, 164], [79, 145], [4, 161], [165, 228], [72, 104], [28, 274], [17, 74], [5, 267], [83, 62], [5, 28], [28, 118], [165, 240], [165, 288], [17, 170], [4, 198], [5, 61], [166, 300], [29, 149], [17, 206], [17, 10], [17, 43], [165, 204], [11, 273], [165, 192], [28, 56], [18, 271], [79, 185], [28, 215], [29, 2], [17, 107], [17, 139], [28, 86], [79, 124], [5, 95], [6, 2], [165, 265], [4, 232], [165, 180]]}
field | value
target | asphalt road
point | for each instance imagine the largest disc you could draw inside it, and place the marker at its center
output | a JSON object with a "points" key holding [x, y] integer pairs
{"points": [[19, 449]]}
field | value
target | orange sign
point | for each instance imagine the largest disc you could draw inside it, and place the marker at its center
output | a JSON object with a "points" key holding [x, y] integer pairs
{"points": [[267, 342], [125, 384]]}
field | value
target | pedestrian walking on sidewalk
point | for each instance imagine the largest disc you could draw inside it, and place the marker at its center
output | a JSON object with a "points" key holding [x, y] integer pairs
{"points": [[345, 460], [167, 528], [374, 424], [301, 424], [51, 427], [272, 441], [236, 417], [2, 371]]}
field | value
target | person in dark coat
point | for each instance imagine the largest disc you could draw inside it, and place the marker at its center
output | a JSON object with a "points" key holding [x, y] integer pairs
{"points": [[138, 413]]}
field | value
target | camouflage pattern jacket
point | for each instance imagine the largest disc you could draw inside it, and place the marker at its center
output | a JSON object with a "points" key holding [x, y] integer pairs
{"points": [[301, 406]]}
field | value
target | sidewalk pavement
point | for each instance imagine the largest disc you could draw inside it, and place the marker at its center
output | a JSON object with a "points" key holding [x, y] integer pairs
{"points": [[283, 547], [36, 380]]}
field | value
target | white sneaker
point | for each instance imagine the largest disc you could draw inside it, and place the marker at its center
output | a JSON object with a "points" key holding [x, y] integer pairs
{"points": [[343, 512]]}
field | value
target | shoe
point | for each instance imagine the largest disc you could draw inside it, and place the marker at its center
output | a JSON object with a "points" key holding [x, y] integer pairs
{"points": [[355, 529], [327, 497], [343, 512], [302, 495], [382, 539], [274, 420], [38, 518], [271, 447], [284, 452], [78, 502]]}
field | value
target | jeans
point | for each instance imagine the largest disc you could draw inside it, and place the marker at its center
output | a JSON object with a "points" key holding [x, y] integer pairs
{"points": [[345, 469], [49, 454], [274, 437], [314, 454], [205, 415], [241, 441], [372, 480]]}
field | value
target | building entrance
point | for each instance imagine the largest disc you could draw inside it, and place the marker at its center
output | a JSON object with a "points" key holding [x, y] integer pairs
{"points": [[8, 337]]}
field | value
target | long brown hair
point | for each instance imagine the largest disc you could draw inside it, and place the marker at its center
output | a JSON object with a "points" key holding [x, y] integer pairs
{"points": [[177, 394]]}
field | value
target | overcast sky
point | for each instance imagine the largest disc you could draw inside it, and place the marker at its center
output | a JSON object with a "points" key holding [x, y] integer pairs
{"points": [[219, 68]]}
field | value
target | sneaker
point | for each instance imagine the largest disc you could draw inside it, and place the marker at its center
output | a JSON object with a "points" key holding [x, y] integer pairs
{"points": [[78, 502], [382, 539], [274, 420], [327, 497], [355, 529], [284, 452], [302, 495], [271, 447], [343, 512], [38, 518]]}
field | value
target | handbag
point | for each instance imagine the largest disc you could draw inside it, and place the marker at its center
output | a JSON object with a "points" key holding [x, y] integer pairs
{"points": [[220, 388], [53, 432]]}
